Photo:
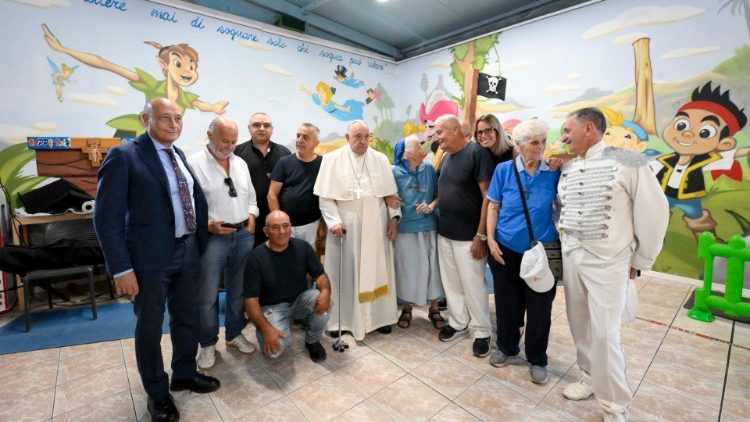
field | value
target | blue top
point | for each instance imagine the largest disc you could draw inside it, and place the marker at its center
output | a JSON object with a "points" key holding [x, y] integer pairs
{"points": [[416, 188], [541, 190]]}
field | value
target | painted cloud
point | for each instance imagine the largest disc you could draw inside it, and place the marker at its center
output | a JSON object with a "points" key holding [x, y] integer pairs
{"points": [[505, 66], [276, 69], [93, 99], [254, 45], [46, 126], [646, 15], [556, 89], [44, 4], [116, 91], [16, 134], [687, 52]]}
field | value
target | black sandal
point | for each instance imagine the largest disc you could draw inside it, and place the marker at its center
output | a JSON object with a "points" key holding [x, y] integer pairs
{"points": [[437, 320], [404, 321]]}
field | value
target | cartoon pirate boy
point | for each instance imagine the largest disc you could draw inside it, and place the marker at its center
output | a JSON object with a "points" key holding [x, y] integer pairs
{"points": [[702, 136]]}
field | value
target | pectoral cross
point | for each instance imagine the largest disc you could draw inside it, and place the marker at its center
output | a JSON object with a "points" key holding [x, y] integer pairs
{"points": [[358, 192]]}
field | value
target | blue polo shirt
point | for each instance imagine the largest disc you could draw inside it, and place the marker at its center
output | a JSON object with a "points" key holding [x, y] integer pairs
{"points": [[541, 190]]}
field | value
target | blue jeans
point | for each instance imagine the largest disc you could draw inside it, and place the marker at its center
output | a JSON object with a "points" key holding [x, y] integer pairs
{"points": [[303, 308], [225, 255]]}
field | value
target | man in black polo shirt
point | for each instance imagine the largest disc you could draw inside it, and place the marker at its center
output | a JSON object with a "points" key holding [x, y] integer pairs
{"points": [[292, 184], [261, 156], [276, 290]]}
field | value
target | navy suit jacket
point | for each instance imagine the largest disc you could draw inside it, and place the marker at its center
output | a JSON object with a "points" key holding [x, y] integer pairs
{"points": [[133, 214]]}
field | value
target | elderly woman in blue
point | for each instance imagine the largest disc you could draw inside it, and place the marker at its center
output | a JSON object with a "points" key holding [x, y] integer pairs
{"points": [[415, 247], [508, 239]]}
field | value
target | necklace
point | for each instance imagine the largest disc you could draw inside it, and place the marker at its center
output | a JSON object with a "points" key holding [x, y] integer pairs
{"points": [[358, 191]]}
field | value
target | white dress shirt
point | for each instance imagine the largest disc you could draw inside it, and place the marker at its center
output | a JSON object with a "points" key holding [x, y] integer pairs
{"points": [[211, 175]]}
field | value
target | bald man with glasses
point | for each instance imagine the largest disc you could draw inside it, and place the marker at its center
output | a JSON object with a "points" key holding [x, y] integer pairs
{"points": [[232, 209]]}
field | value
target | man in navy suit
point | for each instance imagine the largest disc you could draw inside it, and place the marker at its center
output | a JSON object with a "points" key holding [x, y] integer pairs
{"points": [[151, 219]]}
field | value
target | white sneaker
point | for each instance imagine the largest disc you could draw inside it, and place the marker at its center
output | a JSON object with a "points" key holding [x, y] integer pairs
{"points": [[243, 344], [579, 390], [207, 357]]}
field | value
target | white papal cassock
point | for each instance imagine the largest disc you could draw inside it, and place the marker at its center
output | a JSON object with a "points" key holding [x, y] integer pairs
{"points": [[614, 216], [351, 190]]}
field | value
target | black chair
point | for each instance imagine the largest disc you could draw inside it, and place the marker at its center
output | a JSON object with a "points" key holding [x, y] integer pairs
{"points": [[52, 232]]}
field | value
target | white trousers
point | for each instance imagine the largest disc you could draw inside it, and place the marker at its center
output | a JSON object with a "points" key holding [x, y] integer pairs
{"points": [[595, 294], [465, 288], [308, 232]]}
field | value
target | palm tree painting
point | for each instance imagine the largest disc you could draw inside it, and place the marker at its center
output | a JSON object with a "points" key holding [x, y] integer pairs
{"points": [[738, 6]]}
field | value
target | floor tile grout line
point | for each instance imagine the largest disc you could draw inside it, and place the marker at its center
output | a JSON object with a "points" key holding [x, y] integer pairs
{"points": [[726, 370], [265, 370], [57, 374], [669, 327], [436, 391], [130, 386], [661, 342]]}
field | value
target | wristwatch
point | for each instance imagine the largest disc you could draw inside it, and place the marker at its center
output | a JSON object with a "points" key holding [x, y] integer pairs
{"points": [[481, 237]]}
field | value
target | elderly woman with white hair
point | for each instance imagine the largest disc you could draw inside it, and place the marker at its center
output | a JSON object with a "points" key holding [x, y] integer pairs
{"points": [[415, 248], [508, 239]]}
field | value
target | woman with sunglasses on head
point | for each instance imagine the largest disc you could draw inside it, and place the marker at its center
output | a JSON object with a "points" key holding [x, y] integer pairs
{"points": [[489, 133]]}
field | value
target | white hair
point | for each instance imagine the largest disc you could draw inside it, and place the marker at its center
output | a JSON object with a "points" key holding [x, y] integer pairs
{"points": [[411, 143], [529, 129], [354, 122]]}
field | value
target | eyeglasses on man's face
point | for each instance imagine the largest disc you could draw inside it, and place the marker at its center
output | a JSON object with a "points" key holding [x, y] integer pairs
{"points": [[232, 191]]}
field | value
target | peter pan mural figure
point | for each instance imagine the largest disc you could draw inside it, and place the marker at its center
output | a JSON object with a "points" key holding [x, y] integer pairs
{"points": [[179, 65]]}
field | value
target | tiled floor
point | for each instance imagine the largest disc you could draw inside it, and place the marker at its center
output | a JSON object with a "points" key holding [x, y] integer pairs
{"points": [[677, 366]]}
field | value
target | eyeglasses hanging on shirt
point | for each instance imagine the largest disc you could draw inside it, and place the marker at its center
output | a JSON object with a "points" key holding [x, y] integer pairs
{"points": [[232, 191]]}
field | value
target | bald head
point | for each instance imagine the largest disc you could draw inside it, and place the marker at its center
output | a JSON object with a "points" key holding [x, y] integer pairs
{"points": [[448, 134], [222, 137], [278, 229], [162, 119]]}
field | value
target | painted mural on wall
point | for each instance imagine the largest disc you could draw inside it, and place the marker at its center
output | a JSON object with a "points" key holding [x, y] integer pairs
{"points": [[107, 59], [671, 85], [647, 67]]}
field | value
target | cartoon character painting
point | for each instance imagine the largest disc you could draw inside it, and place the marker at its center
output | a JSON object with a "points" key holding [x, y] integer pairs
{"points": [[438, 104], [702, 137], [179, 65], [340, 75], [623, 133], [372, 95], [60, 76], [323, 97]]}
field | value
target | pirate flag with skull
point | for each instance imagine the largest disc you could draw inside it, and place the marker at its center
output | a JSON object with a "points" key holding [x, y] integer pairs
{"points": [[490, 86]]}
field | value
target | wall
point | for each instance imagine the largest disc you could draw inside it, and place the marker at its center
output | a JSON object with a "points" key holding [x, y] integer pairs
{"points": [[578, 58]]}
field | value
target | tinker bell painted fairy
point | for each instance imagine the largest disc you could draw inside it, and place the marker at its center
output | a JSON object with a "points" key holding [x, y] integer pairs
{"points": [[60, 76], [179, 64]]}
